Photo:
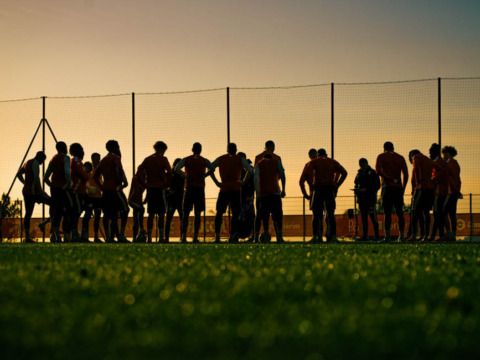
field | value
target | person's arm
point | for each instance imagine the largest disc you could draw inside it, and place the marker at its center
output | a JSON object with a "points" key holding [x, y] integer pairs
{"points": [[248, 171], [179, 167], [416, 174], [405, 174], [46, 178], [36, 187], [214, 166], [96, 176], [66, 169], [168, 171], [210, 168], [343, 174], [124, 180], [303, 179], [257, 181], [20, 173], [282, 178]]}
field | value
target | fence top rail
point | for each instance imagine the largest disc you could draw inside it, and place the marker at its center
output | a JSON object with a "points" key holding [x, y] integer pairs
{"points": [[248, 88]]}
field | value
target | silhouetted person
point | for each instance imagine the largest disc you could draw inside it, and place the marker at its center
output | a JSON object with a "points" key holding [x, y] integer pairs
{"points": [[367, 184], [268, 172], [32, 190], [174, 200], [60, 183], [95, 198], [325, 186], [195, 169], [247, 212], [157, 175], [422, 193], [454, 188], [308, 176], [135, 200], [390, 167], [230, 166]]}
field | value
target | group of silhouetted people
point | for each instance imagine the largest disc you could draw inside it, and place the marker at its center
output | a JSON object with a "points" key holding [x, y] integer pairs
{"points": [[95, 187]]}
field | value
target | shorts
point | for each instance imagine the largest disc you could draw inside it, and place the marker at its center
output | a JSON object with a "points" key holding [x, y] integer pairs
{"points": [[271, 204], [225, 198], [95, 202], [392, 197], [61, 199], [78, 202], [323, 197], [423, 200], [451, 203], [194, 196], [31, 200], [156, 201], [113, 202]]}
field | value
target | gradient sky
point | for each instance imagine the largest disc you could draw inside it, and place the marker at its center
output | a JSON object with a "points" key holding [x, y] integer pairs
{"points": [[73, 47]]}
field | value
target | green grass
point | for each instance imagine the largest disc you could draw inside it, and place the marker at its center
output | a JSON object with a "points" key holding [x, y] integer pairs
{"points": [[240, 301]]}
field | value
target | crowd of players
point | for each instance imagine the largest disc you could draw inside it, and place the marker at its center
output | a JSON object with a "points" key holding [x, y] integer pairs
{"points": [[97, 186]]}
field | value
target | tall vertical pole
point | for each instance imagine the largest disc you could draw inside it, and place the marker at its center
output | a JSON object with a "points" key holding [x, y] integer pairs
{"points": [[133, 133], [440, 112], [228, 115], [304, 221], [332, 125], [43, 165], [471, 218]]}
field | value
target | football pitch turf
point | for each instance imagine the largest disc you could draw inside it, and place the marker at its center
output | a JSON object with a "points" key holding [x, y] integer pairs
{"points": [[206, 301]]}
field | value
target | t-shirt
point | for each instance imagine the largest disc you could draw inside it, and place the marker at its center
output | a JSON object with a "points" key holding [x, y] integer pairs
{"points": [[324, 170], [441, 176], [79, 176], [389, 166], [422, 172], [455, 184], [57, 166], [136, 192], [111, 169], [156, 171], [268, 173]]}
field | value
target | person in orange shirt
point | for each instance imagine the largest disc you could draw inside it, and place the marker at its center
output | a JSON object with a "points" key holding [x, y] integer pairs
{"points": [[111, 171], [230, 166], [60, 183], [325, 185], [268, 172], [269, 149], [135, 200], [422, 191], [32, 190], [195, 169], [155, 172], [390, 167], [454, 187]]}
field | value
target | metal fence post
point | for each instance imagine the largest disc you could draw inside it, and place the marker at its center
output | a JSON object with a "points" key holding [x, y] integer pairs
{"points": [[304, 221], [440, 112], [471, 218], [228, 115], [133, 133], [332, 111], [43, 165]]}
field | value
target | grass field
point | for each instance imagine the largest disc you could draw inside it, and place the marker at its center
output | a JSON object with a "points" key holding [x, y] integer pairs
{"points": [[208, 301]]}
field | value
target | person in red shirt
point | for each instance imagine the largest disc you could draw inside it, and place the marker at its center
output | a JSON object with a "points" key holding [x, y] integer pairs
{"points": [[60, 183], [135, 200], [32, 190], [454, 187], [269, 149], [422, 192], [308, 176], [390, 167], [195, 169], [110, 178], [155, 172], [175, 195], [441, 178], [230, 166], [267, 174], [325, 185]]}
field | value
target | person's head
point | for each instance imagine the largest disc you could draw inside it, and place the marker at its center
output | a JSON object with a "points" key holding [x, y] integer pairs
{"points": [[197, 148], [40, 157], [242, 154], [177, 160], [449, 152], [321, 152], [434, 151], [113, 147], [88, 167], [95, 159], [160, 147], [411, 154], [388, 146], [76, 150], [312, 153], [61, 147], [363, 163], [270, 146], [232, 148]]}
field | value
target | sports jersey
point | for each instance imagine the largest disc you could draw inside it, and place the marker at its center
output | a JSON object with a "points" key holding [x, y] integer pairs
{"points": [[389, 166], [79, 176], [28, 187], [324, 170], [195, 168], [57, 166], [422, 172], [136, 192], [440, 176], [308, 175], [95, 191], [156, 171], [268, 173], [259, 157], [230, 167], [111, 169], [455, 184]]}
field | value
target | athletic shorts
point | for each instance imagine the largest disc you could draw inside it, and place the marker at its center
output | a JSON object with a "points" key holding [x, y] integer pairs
{"points": [[194, 196], [451, 203], [78, 202], [225, 198], [61, 199], [271, 204], [439, 204], [423, 200], [156, 201], [323, 197], [31, 200], [392, 197], [96, 202], [113, 203]]}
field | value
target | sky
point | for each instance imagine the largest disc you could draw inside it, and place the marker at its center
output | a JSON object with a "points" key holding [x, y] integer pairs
{"points": [[93, 47], [67, 48]]}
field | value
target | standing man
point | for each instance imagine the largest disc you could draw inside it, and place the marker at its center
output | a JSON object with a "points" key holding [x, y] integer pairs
{"points": [[367, 183], [32, 189], [230, 166], [267, 173], [135, 200], [156, 173], [114, 180], [174, 200], [59, 169], [390, 167], [95, 198], [422, 191], [247, 211], [325, 186], [195, 170], [454, 187], [269, 149]]}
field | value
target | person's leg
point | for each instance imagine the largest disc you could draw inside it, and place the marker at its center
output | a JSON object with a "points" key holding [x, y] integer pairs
{"points": [[236, 207], [364, 208], [373, 216], [387, 210], [222, 204], [198, 219], [96, 222], [199, 208], [277, 216], [258, 220], [416, 216], [161, 215], [136, 219], [29, 206], [168, 222], [330, 206], [86, 223]]}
